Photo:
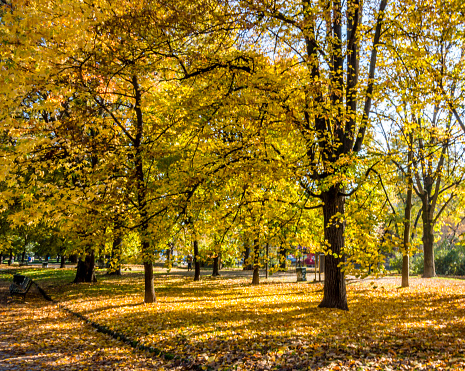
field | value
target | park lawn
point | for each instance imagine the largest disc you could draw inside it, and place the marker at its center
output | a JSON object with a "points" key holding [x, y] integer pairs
{"points": [[228, 324]]}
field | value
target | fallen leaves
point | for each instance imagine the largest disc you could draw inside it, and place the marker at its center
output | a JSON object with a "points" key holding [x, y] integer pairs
{"points": [[37, 335], [228, 324]]}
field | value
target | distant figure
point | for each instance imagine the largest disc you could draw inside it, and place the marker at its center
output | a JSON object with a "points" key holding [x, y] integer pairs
{"points": [[189, 262]]}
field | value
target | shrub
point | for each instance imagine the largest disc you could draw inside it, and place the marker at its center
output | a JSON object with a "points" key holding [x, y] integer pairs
{"points": [[448, 261]]}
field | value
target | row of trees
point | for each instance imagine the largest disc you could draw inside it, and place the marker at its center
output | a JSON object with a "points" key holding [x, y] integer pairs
{"points": [[258, 122]]}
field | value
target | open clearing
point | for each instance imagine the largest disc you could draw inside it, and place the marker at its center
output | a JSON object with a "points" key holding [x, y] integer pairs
{"points": [[225, 323]]}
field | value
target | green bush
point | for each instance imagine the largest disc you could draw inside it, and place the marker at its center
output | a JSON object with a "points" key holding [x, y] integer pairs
{"points": [[416, 263], [395, 263], [449, 261]]}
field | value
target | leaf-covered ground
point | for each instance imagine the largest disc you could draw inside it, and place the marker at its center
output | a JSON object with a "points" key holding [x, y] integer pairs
{"points": [[228, 324], [37, 335]]}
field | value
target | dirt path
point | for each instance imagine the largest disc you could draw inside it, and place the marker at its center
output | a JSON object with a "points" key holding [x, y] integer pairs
{"points": [[37, 335]]}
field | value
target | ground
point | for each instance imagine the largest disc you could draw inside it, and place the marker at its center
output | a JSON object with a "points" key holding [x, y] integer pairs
{"points": [[225, 323]]}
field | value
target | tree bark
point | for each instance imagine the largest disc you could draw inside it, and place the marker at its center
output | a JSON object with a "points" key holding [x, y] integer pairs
{"points": [[141, 189], [62, 262], [216, 266], [10, 260], [23, 256], [256, 262], [86, 269], [428, 241], [149, 290], [196, 261], [334, 292], [73, 259], [149, 296], [408, 217], [246, 266]]}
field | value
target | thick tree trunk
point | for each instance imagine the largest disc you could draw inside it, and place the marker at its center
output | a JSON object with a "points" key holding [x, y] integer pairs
{"points": [[1, 258], [196, 261], [62, 262], [115, 258], [216, 266], [428, 241], [10, 260], [23, 256], [334, 286], [73, 259], [149, 296], [256, 263], [86, 269], [149, 290]]}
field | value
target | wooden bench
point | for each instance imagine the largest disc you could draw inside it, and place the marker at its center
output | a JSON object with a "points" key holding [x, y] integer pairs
{"points": [[20, 286]]}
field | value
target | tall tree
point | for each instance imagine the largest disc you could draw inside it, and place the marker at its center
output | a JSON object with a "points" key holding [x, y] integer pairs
{"points": [[322, 103]]}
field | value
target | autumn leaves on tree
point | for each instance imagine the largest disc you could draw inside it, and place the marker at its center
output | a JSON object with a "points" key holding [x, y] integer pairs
{"points": [[247, 120]]}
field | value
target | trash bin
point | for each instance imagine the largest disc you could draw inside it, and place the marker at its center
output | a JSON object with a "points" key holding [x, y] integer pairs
{"points": [[301, 274]]}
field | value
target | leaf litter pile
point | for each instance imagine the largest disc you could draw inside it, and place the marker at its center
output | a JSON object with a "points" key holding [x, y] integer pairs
{"points": [[227, 324]]}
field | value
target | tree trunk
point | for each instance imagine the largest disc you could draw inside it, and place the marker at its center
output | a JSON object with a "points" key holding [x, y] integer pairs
{"points": [[149, 290], [1, 258], [23, 256], [62, 262], [216, 265], [428, 240], [73, 259], [256, 262], [86, 269], [115, 258], [10, 260], [149, 296], [246, 266], [196, 261], [334, 285], [141, 188], [408, 217]]}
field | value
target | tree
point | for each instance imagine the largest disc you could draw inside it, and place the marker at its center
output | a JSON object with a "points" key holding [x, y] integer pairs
{"points": [[422, 88], [319, 94]]}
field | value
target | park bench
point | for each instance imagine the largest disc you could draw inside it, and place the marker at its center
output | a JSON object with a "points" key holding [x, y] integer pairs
{"points": [[20, 286]]}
